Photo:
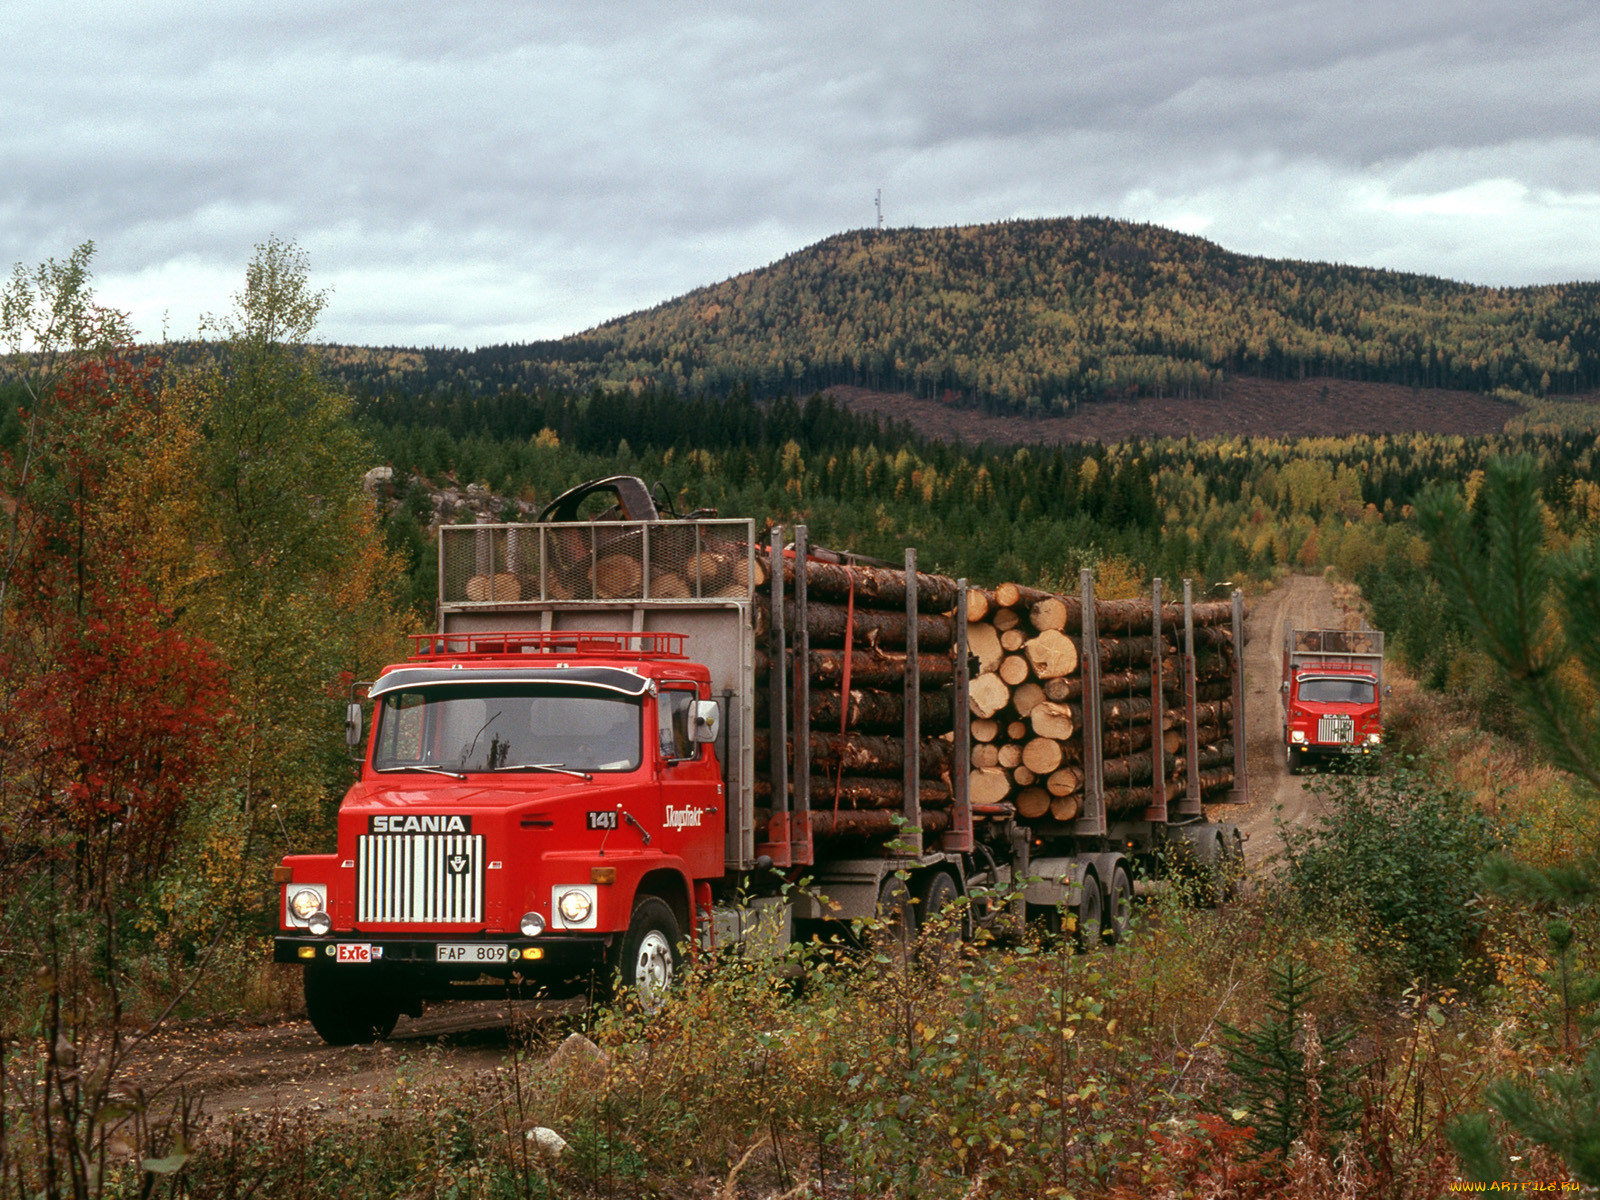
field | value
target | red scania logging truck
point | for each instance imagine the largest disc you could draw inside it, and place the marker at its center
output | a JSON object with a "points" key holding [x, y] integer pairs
{"points": [[1332, 694], [560, 787]]}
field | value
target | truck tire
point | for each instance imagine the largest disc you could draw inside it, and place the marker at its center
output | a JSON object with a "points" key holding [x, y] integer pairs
{"points": [[649, 956], [349, 1006], [896, 928], [1089, 914], [943, 931], [1292, 762], [1119, 905]]}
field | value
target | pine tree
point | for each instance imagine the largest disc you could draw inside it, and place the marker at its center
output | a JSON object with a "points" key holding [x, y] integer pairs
{"points": [[1533, 611], [1283, 1089]]}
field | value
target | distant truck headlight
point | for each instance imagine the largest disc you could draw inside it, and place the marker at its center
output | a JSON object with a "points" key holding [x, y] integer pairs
{"points": [[573, 906], [1297, 735], [1374, 739], [532, 924], [304, 902]]}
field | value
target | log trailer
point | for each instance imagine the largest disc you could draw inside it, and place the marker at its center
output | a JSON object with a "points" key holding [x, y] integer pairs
{"points": [[643, 736], [1333, 693]]}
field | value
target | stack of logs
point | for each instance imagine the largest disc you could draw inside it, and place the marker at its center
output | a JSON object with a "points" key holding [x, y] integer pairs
{"points": [[858, 734], [1027, 701], [680, 568]]}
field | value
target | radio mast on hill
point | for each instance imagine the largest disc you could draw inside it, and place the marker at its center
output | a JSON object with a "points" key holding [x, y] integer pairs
{"points": [[877, 203]]}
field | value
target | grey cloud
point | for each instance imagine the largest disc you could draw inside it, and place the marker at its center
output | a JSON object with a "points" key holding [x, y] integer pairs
{"points": [[482, 171]]}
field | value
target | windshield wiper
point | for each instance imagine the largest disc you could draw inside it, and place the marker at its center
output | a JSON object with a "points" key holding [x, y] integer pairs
{"points": [[558, 768], [431, 770]]}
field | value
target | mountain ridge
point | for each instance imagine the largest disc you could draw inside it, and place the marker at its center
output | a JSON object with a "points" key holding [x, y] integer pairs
{"points": [[1041, 316]]}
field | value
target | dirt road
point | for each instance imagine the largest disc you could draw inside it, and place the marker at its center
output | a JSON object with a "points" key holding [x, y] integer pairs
{"points": [[1275, 795]]}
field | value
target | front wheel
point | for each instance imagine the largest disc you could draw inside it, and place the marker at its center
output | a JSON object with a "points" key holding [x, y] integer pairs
{"points": [[649, 961], [1289, 758], [349, 1005]]}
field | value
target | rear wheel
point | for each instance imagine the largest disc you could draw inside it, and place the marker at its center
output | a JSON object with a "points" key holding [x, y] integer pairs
{"points": [[942, 929], [1119, 905], [896, 926], [350, 1005], [649, 956], [1089, 913]]}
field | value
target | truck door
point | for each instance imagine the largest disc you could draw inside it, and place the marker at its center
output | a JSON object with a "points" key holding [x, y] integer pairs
{"points": [[692, 808]]}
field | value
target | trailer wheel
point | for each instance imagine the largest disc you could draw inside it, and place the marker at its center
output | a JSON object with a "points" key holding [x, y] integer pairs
{"points": [[1119, 905], [649, 960], [943, 930], [1089, 915], [348, 1006], [896, 926]]}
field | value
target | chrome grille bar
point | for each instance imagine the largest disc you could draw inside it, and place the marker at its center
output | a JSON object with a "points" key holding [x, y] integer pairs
{"points": [[419, 879], [1335, 729]]}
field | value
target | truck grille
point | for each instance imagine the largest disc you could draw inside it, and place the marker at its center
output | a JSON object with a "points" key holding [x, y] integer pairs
{"points": [[419, 879], [1336, 729]]}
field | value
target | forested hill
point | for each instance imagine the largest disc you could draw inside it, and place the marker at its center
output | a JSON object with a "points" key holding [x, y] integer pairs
{"points": [[1039, 315]]}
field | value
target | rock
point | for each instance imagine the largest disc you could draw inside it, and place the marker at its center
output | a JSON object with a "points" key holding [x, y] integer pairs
{"points": [[376, 477], [550, 1143], [579, 1056], [477, 491]]}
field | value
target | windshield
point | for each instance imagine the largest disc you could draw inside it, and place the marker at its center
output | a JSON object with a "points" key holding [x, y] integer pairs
{"points": [[1338, 691], [507, 726]]}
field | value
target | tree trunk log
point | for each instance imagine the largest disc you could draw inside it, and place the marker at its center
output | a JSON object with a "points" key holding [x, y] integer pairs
{"points": [[984, 642], [871, 668], [865, 754], [1033, 803], [875, 587], [988, 785], [873, 628], [868, 711], [987, 695], [858, 792], [869, 823]]}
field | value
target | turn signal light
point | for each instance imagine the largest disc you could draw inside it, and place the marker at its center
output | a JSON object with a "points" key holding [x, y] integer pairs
{"points": [[282, 874], [602, 874], [308, 951]]}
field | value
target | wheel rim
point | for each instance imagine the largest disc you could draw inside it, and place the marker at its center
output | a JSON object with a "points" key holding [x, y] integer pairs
{"points": [[652, 970]]}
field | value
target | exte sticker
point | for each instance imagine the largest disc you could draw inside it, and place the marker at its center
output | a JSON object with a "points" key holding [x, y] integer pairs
{"points": [[602, 820]]}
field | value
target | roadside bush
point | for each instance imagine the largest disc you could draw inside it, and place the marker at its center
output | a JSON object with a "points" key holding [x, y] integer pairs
{"points": [[1399, 851]]}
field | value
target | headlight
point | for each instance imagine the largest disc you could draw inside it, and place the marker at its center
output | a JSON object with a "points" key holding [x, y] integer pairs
{"points": [[303, 903], [1297, 735], [318, 923], [1374, 739], [575, 907], [533, 924]]}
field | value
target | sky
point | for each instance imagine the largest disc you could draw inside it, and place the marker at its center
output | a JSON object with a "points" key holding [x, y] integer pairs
{"points": [[465, 174]]}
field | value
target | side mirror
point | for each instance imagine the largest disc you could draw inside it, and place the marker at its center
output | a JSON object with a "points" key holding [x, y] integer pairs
{"points": [[707, 721], [1388, 689], [352, 724], [1285, 688]]}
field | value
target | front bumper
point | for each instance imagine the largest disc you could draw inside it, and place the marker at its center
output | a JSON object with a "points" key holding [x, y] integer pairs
{"points": [[564, 952]]}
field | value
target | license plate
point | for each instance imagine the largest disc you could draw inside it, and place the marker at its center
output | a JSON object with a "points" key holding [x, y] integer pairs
{"points": [[470, 952], [354, 952]]}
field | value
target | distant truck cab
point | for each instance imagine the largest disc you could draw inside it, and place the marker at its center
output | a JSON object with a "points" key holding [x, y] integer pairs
{"points": [[1332, 694]]}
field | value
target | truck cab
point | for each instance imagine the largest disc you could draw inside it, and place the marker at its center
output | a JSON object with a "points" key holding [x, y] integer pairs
{"points": [[1332, 694], [537, 808]]}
